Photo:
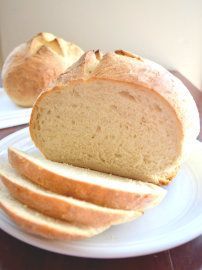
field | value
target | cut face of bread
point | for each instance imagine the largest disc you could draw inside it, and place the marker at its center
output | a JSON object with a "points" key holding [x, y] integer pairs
{"points": [[127, 116], [111, 127], [39, 224], [95, 187], [61, 207]]}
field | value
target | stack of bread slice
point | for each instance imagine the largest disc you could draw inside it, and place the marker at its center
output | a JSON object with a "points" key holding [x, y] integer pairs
{"points": [[59, 201]]}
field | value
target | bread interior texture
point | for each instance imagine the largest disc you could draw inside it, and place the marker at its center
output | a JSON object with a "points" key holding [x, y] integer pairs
{"points": [[109, 126]]}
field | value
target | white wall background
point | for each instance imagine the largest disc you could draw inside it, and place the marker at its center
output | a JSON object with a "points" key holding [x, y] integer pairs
{"points": [[167, 31]]}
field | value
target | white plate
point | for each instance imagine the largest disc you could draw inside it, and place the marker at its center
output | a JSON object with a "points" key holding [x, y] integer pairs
{"points": [[10, 114], [177, 220]]}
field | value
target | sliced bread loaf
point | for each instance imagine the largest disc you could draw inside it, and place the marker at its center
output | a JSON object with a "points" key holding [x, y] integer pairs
{"points": [[58, 206], [95, 187], [39, 224], [119, 114]]}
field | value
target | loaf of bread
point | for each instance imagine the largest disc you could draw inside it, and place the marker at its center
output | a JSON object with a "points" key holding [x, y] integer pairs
{"points": [[58, 206], [91, 186], [33, 65], [39, 224], [119, 114]]}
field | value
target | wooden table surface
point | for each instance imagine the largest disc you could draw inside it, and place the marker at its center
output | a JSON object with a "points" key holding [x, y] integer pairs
{"points": [[16, 255]]}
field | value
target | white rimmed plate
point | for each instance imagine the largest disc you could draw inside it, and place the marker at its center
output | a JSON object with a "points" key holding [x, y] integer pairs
{"points": [[175, 221], [10, 114]]}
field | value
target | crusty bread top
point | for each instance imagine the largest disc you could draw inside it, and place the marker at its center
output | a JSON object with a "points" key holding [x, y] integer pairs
{"points": [[126, 67], [43, 43], [33, 49], [33, 65]]}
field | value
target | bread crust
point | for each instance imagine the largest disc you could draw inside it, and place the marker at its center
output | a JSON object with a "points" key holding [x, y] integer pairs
{"points": [[32, 66], [94, 193], [46, 231], [126, 68]]}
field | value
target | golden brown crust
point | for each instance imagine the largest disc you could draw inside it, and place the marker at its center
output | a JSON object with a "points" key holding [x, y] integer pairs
{"points": [[32, 66], [44, 230], [93, 193], [81, 70], [128, 54], [36, 229], [60, 208], [24, 82]]}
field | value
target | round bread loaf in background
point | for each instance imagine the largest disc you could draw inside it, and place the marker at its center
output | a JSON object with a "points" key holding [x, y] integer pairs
{"points": [[33, 65]]}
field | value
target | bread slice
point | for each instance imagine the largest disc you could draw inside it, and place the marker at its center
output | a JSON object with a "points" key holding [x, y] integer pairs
{"points": [[58, 206], [95, 187], [119, 114], [39, 224]]}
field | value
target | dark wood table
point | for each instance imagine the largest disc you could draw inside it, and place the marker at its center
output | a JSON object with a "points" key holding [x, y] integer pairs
{"points": [[16, 255]]}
